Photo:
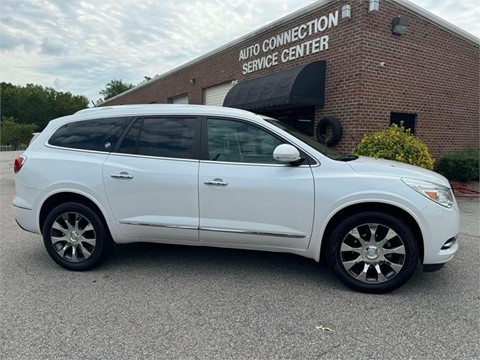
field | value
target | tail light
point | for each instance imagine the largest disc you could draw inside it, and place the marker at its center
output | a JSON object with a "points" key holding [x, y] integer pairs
{"points": [[18, 163]]}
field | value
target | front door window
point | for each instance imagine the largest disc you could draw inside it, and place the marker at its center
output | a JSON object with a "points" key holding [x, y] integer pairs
{"points": [[236, 141]]}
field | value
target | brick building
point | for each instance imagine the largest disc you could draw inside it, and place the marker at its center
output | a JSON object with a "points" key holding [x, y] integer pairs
{"points": [[367, 63]]}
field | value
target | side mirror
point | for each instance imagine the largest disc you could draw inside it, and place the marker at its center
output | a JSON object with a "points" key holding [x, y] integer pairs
{"points": [[287, 154]]}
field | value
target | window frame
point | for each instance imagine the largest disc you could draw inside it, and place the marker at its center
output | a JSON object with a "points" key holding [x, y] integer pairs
{"points": [[196, 137]]}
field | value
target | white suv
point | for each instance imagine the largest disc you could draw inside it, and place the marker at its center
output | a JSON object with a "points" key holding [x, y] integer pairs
{"points": [[213, 176]]}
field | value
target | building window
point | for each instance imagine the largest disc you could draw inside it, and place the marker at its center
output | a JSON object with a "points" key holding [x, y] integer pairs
{"points": [[403, 119]]}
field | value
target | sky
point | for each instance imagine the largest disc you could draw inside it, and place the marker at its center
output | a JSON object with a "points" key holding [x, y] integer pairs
{"points": [[80, 45]]}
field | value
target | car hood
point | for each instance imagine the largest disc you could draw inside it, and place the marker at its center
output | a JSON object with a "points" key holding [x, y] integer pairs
{"points": [[368, 165]]}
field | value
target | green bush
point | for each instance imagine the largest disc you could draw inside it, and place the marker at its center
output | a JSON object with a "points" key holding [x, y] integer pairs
{"points": [[396, 144], [461, 165], [14, 133]]}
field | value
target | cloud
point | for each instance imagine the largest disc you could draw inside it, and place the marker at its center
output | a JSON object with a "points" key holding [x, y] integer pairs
{"points": [[53, 46], [463, 14], [9, 42], [61, 84], [79, 46]]}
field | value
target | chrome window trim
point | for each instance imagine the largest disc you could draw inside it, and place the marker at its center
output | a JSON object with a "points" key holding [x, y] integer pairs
{"points": [[108, 153], [251, 164], [76, 149]]}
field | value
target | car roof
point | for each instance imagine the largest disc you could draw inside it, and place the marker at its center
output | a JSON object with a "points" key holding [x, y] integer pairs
{"points": [[161, 109]]}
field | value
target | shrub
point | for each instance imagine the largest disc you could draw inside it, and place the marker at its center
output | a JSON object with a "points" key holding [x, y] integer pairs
{"points": [[14, 133], [396, 144], [461, 165]]}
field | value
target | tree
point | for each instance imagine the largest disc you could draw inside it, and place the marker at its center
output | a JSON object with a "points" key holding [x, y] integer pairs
{"points": [[38, 105], [14, 133], [113, 88], [147, 78]]}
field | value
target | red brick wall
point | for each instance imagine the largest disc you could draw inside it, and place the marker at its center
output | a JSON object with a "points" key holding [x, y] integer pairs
{"points": [[428, 71]]}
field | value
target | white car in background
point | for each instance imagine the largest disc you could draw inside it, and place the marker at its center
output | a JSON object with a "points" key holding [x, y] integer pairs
{"points": [[213, 176]]}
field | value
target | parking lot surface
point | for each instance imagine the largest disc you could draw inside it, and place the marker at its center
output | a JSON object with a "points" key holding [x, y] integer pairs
{"points": [[173, 302]]}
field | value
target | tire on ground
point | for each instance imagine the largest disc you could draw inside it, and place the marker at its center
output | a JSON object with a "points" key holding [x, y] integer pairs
{"points": [[85, 231], [342, 248]]}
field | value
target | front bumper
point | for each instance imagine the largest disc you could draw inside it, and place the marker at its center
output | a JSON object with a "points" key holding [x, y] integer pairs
{"points": [[440, 227]]}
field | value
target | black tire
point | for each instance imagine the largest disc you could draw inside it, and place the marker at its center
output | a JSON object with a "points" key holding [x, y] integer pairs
{"points": [[329, 131], [76, 238], [369, 259]]}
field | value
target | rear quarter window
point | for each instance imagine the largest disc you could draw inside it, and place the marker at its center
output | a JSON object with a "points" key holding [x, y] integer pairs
{"points": [[97, 135]]}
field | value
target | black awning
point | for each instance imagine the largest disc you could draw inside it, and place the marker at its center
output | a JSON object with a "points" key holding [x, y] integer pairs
{"points": [[301, 85]]}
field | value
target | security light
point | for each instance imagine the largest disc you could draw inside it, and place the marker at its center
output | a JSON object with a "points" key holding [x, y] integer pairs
{"points": [[399, 25]]}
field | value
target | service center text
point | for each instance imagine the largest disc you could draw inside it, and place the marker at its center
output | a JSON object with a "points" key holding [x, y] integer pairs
{"points": [[300, 32]]}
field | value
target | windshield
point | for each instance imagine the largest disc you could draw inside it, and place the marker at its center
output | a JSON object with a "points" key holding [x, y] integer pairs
{"points": [[332, 154]]}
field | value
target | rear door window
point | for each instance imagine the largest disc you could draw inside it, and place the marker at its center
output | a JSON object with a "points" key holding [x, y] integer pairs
{"points": [[97, 134], [170, 137]]}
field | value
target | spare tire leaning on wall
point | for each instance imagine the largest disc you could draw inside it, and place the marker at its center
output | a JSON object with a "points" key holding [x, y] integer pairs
{"points": [[329, 131]]}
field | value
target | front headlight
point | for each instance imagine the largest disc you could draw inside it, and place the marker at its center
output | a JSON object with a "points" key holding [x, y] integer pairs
{"points": [[442, 195]]}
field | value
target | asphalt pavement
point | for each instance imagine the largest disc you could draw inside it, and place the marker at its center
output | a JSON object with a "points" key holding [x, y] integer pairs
{"points": [[170, 302]]}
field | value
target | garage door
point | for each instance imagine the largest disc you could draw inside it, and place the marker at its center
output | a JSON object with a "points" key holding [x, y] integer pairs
{"points": [[216, 94], [179, 100]]}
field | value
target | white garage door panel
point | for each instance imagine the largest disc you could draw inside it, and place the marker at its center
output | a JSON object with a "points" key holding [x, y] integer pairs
{"points": [[216, 94], [180, 100]]}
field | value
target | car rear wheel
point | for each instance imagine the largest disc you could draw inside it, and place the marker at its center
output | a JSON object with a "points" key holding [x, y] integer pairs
{"points": [[372, 252], [76, 237]]}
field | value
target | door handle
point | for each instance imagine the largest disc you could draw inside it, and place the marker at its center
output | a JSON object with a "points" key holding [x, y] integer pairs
{"points": [[122, 175], [216, 182]]}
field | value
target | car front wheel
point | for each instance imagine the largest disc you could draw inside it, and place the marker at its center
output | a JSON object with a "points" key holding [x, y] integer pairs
{"points": [[75, 237], [372, 252]]}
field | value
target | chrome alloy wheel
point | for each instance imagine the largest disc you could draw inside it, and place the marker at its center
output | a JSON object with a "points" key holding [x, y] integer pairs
{"points": [[73, 237], [372, 253]]}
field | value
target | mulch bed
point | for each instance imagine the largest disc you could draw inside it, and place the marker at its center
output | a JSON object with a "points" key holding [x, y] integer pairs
{"points": [[471, 189]]}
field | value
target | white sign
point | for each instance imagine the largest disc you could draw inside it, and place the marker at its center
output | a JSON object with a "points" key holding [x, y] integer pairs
{"points": [[263, 59]]}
